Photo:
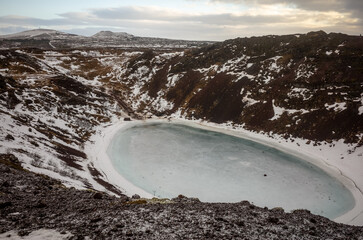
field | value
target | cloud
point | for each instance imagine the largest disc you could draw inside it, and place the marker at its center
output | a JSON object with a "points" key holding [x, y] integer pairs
{"points": [[167, 15], [35, 22], [353, 8], [260, 18], [140, 12], [316, 5], [350, 8]]}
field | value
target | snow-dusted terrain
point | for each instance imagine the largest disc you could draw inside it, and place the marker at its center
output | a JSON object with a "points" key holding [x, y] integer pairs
{"points": [[52, 39], [59, 109]]}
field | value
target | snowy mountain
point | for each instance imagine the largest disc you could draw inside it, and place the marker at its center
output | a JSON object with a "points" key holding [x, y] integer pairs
{"points": [[45, 33], [302, 90], [109, 34], [51, 39]]}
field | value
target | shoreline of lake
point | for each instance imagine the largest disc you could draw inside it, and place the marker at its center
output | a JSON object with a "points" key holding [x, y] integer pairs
{"points": [[102, 161]]}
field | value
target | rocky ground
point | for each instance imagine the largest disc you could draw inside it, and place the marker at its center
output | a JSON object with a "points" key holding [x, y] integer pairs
{"points": [[30, 201]]}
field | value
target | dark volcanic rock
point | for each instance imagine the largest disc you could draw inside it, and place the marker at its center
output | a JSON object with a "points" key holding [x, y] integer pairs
{"points": [[9, 137], [135, 196], [30, 201]]}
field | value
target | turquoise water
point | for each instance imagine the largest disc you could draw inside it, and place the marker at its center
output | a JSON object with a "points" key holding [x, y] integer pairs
{"points": [[170, 159]]}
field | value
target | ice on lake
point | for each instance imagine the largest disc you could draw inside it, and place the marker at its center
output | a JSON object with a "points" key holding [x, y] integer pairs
{"points": [[171, 159]]}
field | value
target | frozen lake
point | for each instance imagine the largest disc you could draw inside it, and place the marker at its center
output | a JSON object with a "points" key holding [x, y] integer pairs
{"points": [[171, 159]]}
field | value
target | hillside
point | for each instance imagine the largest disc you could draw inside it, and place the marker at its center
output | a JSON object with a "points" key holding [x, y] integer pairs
{"points": [[304, 89], [307, 86]]}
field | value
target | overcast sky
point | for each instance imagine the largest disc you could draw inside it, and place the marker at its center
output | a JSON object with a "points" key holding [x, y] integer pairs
{"points": [[184, 19]]}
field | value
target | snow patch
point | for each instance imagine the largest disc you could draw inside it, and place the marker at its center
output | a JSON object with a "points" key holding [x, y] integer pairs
{"points": [[249, 65], [305, 71], [161, 105], [360, 109], [49, 234], [173, 79], [247, 100], [53, 53], [337, 107], [273, 64], [278, 111], [300, 92], [171, 55]]}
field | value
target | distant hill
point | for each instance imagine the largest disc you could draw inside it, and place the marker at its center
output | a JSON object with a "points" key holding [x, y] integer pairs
{"points": [[109, 34], [31, 34], [52, 39]]}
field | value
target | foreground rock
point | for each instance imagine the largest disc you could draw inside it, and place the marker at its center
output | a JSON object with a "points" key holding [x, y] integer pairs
{"points": [[29, 202]]}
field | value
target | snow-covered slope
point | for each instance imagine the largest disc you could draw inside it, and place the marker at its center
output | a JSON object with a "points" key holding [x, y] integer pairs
{"points": [[31, 34], [109, 34], [303, 92]]}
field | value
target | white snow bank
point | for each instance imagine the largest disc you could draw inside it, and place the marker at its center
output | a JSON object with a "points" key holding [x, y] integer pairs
{"points": [[97, 153], [48, 234]]}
